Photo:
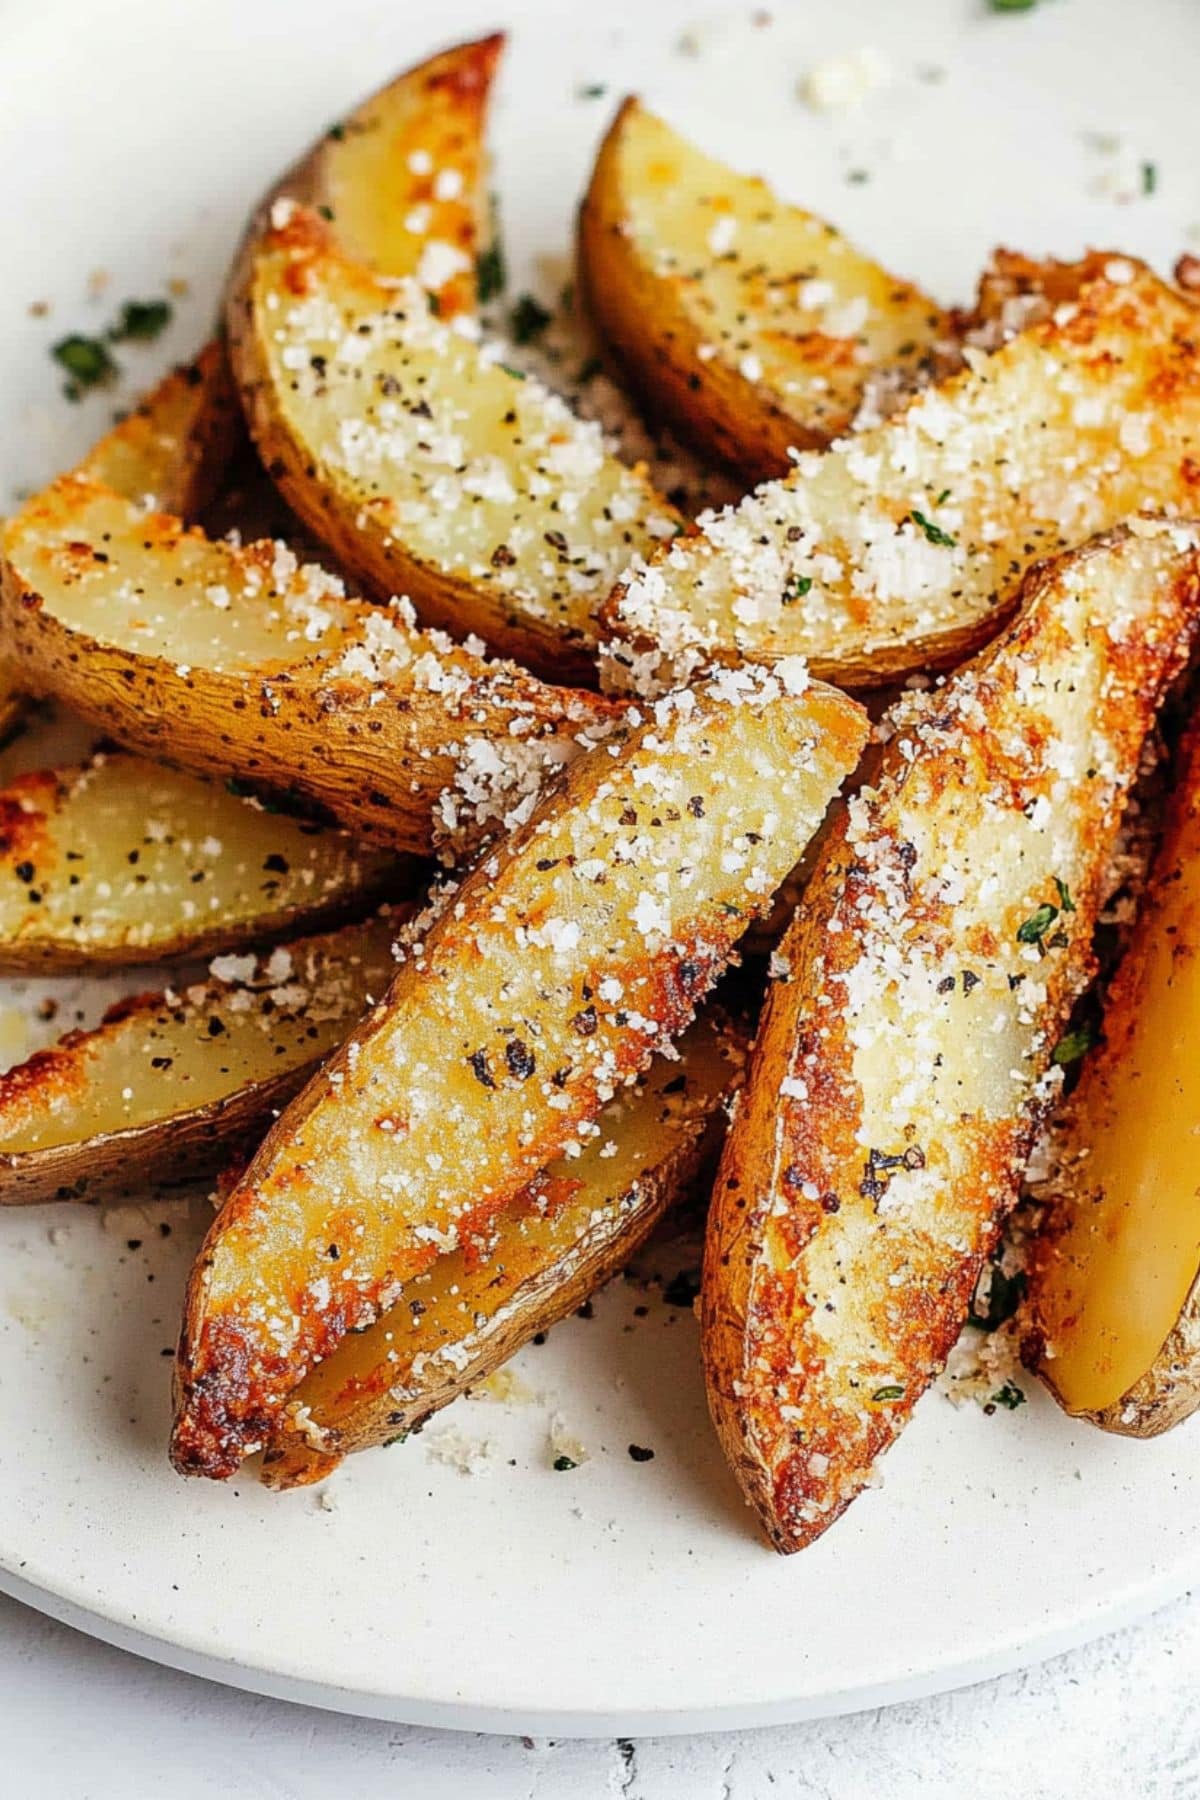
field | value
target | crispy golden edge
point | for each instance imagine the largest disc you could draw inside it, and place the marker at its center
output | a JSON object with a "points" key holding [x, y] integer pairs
{"points": [[229, 1386], [1169, 1390], [434, 113], [794, 1499], [380, 770], [654, 340], [528, 1293], [183, 1145]]}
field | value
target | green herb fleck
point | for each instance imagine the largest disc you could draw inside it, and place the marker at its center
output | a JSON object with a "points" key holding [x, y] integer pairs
{"points": [[400, 1435], [942, 497], [337, 133], [1003, 6], [591, 90], [490, 275], [933, 532], [892, 1392], [326, 212], [1004, 1295], [529, 319], [142, 320], [858, 177], [435, 304], [1149, 177], [563, 1463], [87, 361], [517, 374], [1033, 929], [796, 587], [1064, 895], [1010, 1396], [1072, 1047]]}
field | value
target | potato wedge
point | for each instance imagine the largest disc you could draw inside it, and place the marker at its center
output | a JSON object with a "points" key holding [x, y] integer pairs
{"points": [[753, 327], [901, 549], [116, 860], [169, 1086], [577, 949], [905, 1057], [172, 451], [1114, 1277], [565, 1235], [402, 178], [430, 468], [237, 661]]}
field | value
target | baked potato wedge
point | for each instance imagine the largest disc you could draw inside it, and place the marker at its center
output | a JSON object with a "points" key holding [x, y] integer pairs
{"points": [[751, 326], [429, 467], [169, 1086], [117, 860], [906, 1052], [172, 451], [402, 178], [575, 950], [1113, 1309], [238, 661], [901, 549], [574, 1226]]}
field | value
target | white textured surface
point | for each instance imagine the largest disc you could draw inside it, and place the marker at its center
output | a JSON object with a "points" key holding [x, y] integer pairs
{"points": [[84, 1722]]}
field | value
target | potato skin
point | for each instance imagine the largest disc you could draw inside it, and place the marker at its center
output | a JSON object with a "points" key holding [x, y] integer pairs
{"points": [[381, 769]]}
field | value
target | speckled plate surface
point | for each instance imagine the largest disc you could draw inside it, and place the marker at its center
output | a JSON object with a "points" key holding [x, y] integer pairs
{"points": [[623, 1596]]}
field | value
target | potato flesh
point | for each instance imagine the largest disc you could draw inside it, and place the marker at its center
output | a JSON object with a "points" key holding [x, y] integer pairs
{"points": [[120, 855], [416, 1357], [171, 451], [164, 1055], [567, 959], [405, 169], [901, 1063], [427, 438], [1123, 1246], [213, 606], [894, 548], [778, 298]]}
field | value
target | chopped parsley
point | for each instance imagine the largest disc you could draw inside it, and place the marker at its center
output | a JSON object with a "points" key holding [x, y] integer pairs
{"points": [[141, 321], [325, 211], [563, 1463], [529, 318], [336, 132], [1003, 6], [87, 361], [1064, 895], [490, 275], [892, 1392], [796, 587], [1004, 1295], [591, 90], [1033, 929], [517, 374], [1010, 1396], [1149, 177], [933, 533], [1072, 1047]]}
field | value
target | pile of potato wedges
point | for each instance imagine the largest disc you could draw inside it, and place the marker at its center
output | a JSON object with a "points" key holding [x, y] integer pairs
{"points": [[473, 781]]}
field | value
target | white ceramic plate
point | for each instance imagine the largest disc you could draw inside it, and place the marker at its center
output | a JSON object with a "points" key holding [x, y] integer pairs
{"points": [[625, 1596]]}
